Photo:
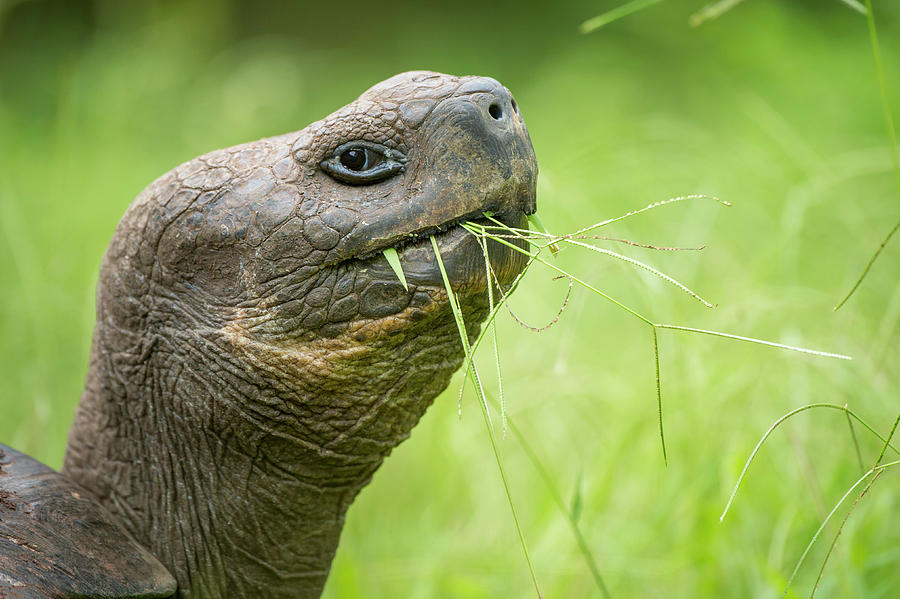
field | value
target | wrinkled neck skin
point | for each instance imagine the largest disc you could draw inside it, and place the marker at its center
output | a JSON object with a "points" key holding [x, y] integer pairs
{"points": [[232, 477]]}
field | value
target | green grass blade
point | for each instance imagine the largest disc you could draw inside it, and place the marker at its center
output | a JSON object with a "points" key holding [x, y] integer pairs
{"points": [[626, 308], [855, 440], [481, 232], [615, 14], [882, 86], [653, 206], [479, 389], [491, 317], [538, 223], [394, 260], [892, 136], [712, 11], [887, 441], [662, 435], [561, 504], [478, 231], [775, 425], [643, 266], [802, 350], [828, 519], [841, 529], [489, 278], [857, 6], [577, 500], [503, 423], [537, 258], [868, 267], [536, 220]]}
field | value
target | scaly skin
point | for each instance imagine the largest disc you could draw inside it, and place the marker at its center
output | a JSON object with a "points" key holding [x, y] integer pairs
{"points": [[255, 359]]}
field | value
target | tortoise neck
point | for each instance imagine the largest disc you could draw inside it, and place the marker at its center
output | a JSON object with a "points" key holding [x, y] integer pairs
{"points": [[231, 513]]}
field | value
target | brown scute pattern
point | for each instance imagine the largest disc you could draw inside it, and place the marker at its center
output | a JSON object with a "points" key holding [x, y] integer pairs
{"points": [[255, 358], [56, 540]]}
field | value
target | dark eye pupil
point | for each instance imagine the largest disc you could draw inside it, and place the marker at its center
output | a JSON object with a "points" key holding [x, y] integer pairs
{"points": [[354, 159]]}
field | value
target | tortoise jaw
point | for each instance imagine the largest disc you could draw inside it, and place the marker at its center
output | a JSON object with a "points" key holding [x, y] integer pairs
{"points": [[462, 255]]}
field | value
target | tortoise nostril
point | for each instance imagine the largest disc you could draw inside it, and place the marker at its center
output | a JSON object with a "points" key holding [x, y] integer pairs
{"points": [[495, 111], [515, 107]]}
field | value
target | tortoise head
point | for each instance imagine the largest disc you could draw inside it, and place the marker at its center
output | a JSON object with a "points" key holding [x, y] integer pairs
{"points": [[291, 228], [270, 251], [244, 303]]}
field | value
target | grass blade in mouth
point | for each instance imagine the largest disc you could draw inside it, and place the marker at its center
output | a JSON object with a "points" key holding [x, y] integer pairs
{"points": [[536, 221], [394, 260]]}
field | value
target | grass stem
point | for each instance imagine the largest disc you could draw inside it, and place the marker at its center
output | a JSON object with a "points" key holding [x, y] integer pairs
{"points": [[802, 350], [855, 440], [479, 390], [841, 529], [815, 537], [615, 14], [892, 136], [659, 407], [844, 408], [561, 504]]}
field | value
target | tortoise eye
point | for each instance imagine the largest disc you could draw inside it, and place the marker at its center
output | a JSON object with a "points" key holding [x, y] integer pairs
{"points": [[363, 162], [356, 159]]}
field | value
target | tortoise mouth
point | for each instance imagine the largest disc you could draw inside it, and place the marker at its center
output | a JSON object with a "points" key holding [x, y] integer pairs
{"points": [[461, 252]]}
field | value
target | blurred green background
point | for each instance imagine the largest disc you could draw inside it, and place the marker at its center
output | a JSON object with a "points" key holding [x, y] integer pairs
{"points": [[773, 107]]}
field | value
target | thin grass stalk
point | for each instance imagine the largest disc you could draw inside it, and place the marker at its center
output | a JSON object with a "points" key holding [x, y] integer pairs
{"points": [[775, 425], [479, 389], [662, 436], [654, 205], [475, 229], [642, 265], [523, 441], [853, 436], [615, 14], [868, 267], [802, 350], [480, 230], [887, 441], [537, 258], [492, 314], [561, 504], [609, 221], [857, 6], [489, 279], [882, 86], [892, 136], [828, 519], [712, 11], [841, 529]]}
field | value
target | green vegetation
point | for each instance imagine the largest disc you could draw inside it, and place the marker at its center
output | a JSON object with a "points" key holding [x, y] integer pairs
{"points": [[772, 106]]}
